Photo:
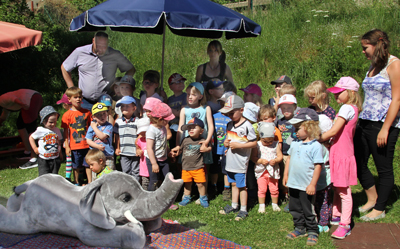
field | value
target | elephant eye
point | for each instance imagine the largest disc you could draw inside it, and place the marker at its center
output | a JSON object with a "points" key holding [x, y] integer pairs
{"points": [[125, 197]]}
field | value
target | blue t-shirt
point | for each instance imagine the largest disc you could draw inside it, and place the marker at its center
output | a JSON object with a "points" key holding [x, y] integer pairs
{"points": [[288, 134], [303, 157], [220, 123], [106, 128]]}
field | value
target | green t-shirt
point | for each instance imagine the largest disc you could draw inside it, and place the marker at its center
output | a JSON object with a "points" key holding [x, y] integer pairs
{"points": [[105, 171]]}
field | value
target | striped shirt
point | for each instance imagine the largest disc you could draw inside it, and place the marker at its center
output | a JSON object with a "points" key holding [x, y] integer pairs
{"points": [[127, 130]]}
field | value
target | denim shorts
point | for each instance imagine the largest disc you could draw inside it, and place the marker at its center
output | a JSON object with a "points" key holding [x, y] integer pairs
{"points": [[78, 158]]}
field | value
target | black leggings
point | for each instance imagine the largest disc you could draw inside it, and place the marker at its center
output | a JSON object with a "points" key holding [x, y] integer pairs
{"points": [[155, 177], [365, 145]]}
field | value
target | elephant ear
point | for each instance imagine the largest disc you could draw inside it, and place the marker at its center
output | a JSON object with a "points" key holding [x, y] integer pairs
{"points": [[92, 207]]}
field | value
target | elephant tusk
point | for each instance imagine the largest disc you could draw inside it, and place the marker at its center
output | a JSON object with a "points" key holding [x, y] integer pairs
{"points": [[130, 217]]}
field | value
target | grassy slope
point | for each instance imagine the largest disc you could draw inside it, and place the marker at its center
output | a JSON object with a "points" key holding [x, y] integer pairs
{"points": [[325, 48]]}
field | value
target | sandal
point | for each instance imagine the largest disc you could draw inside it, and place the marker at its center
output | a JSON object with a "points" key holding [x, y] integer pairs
{"points": [[241, 215], [229, 209], [312, 240], [296, 234]]}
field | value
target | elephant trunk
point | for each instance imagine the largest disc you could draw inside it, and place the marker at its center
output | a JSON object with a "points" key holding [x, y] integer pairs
{"points": [[156, 203]]}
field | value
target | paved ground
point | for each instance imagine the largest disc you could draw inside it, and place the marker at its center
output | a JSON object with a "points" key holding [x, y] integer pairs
{"points": [[371, 236]]}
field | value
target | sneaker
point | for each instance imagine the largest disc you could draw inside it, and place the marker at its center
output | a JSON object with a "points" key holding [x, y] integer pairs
{"points": [[335, 221], [276, 208], [261, 210], [297, 234], [29, 165], [312, 240], [173, 207], [323, 229], [341, 232], [229, 209], [241, 215], [227, 194], [185, 200], [204, 201], [286, 208], [285, 200]]}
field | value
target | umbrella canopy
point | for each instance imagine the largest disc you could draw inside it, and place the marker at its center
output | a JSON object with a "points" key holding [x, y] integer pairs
{"points": [[16, 36], [195, 18]]}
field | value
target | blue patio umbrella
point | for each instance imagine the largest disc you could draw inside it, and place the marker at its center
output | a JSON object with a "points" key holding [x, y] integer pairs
{"points": [[194, 18]]}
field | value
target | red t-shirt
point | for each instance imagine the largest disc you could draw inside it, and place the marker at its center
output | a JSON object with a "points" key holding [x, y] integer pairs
{"points": [[77, 123]]}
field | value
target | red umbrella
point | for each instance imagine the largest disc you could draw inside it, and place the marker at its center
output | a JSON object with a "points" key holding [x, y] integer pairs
{"points": [[15, 36]]}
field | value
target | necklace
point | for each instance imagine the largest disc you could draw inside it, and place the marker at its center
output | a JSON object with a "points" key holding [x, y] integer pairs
{"points": [[209, 64]]}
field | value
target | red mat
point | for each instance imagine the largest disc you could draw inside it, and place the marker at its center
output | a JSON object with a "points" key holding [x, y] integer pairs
{"points": [[170, 235]]}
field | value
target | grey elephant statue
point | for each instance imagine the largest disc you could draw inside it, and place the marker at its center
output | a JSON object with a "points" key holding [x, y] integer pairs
{"points": [[113, 211]]}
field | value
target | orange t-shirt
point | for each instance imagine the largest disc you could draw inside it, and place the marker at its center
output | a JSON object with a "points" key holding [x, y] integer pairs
{"points": [[77, 123], [278, 135]]}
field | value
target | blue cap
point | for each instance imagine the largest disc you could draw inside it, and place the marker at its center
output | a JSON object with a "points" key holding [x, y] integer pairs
{"points": [[126, 100], [211, 84], [106, 99], [193, 121], [198, 86]]}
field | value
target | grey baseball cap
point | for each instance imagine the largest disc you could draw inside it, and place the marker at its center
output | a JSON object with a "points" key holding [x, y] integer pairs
{"points": [[231, 103]]}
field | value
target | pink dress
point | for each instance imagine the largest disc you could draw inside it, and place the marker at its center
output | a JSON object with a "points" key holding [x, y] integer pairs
{"points": [[143, 171], [341, 155]]}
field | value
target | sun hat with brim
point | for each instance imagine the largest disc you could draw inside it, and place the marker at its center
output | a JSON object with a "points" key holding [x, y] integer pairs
{"points": [[126, 100], [64, 100], [266, 129], [345, 83], [143, 124], [150, 103], [252, 88], [231, 103], [46, 111], [304, 114], [193, 121], [287, 99], [282, 79], [250, 111], [99, 107], [162, 110], [198, 86]]}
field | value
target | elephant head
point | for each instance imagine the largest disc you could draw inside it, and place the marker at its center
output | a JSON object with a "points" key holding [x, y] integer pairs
{"points": [[118, 198]]}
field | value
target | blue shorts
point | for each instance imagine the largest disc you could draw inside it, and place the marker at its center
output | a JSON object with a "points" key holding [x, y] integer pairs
{"points": [[78, 158], [238, 178]]}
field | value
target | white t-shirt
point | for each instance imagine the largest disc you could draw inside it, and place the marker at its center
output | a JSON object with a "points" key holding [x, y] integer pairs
{"points": [[237, 160], [347, 112], [48, 142], [160, 142]]}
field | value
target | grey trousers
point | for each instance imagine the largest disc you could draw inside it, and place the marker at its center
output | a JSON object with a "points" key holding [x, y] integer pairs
{"points": [[130, 165]]}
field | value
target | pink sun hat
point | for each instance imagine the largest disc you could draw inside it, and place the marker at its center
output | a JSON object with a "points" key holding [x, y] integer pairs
{"points": [[64, 100], [162, 110], [252, 88], [150, 103], [345, 83]]}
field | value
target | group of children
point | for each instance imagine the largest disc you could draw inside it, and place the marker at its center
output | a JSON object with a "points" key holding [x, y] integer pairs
{"points": [[206, 130]]}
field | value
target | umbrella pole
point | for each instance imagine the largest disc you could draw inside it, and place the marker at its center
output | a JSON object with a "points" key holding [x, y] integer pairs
{"points": [[162, 59]]}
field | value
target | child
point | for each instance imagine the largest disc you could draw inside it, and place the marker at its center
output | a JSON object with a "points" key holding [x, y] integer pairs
{"points": [[176, 83], [318, 98], [143, 125], [241, 139], [68, 161], [156, 144], [288, 105], [49, 138], [219, 162], [341, 155], [96, 160], [267, 156], [196, 107], [192, 161], [151, 82], [252, 93], [323, 200], [151, 102], [100, 133], [75, 123], [125, 130], [285, 89], [302, 170], [214, 91], [229, 87]]}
